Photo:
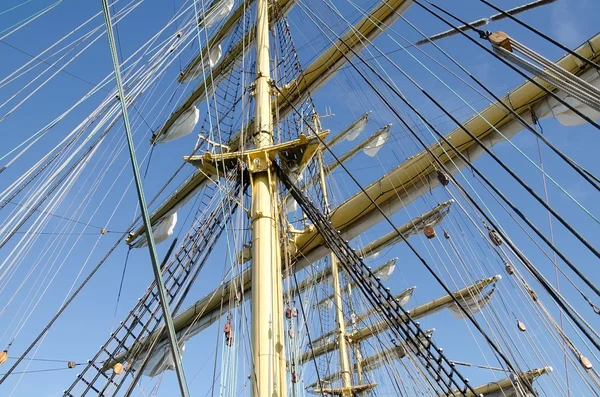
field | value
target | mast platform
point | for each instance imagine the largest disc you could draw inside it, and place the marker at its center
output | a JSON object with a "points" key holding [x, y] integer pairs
{"points": [[292, 153], [344, 391]]}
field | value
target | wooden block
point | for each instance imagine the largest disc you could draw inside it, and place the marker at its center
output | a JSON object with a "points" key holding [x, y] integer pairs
{"points": [[501, 39]]}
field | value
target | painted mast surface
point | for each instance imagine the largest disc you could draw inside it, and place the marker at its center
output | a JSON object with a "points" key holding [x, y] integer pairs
{"points": [[267, 306]]}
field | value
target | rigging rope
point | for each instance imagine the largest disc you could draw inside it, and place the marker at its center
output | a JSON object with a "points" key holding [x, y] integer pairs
{"points": [[548, 71], [590, 178], [551, 291], [484, 21], [493, 126], [175, 350], [84, 283], [123, 276], [566, 224], [398, 318], [541, 34], [533, 81]]}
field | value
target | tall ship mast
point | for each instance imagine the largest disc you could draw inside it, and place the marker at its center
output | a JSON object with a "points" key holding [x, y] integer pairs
{"points": [[276, 198]]}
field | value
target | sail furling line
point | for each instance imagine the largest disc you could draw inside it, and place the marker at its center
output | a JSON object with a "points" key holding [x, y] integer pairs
{"points": [[583, 94]]}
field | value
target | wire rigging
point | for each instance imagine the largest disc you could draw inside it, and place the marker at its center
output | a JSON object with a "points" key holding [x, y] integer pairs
{"points": [[549, 288]]}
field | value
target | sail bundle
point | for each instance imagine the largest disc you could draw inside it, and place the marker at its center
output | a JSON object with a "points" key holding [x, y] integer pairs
{"points": [[161, 230], [217, 12], [374, 147], [182, 126], [203, 67]]}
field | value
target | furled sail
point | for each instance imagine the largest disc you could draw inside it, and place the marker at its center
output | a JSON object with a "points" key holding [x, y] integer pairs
{"points": [[214, 55], [405, 296], [357, 214], [415, 226], [402, 298], [355, 131], [474, 304], [387, 271], [162, 230], [417, 312], [216, 13], [550, 107], [373, 147], [178, 199], [367, 364], [358, 124], [160, 360], [290, 206], [508, 387], [325, 304], [183, 126]]}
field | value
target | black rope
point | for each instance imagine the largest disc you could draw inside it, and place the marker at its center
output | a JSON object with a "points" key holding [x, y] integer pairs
{"points": [[541, 34], [83, 284], [207, 228], [514, 68], [379, 296], [122, 279], [149, 159], [55, 186], [591, 179], [566, 224], [547, 286], [62, 309], [35, 371], [468, 162]]}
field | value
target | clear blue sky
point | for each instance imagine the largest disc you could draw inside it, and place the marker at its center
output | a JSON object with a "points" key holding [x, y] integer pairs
{"points": [[86, 325]]}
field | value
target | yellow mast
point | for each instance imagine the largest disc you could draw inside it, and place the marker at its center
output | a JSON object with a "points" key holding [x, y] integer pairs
{"points": [[337, 295], [267, 306]]}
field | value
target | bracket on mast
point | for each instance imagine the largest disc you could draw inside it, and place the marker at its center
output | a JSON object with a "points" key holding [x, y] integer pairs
{"points": [[292, 153]]}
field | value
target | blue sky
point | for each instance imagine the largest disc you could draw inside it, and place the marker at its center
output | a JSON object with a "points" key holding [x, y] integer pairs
{"points": [[88, 322]]}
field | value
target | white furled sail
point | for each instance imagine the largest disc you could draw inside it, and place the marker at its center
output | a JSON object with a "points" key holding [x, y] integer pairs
{"points": [[296, 175], [355, 131], [290, 206], [371, 255], [550, 107], [406, 295], [513, 386], [373, 147], [183, 126], [162, 230], [472, 303], [160, 360], [325, 304], [512, 392], [217, 13], [387, 271], [201, 68]]}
